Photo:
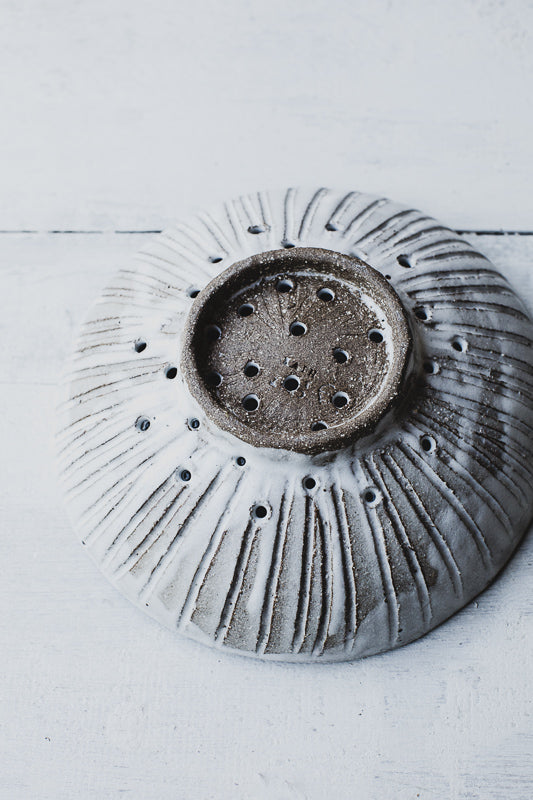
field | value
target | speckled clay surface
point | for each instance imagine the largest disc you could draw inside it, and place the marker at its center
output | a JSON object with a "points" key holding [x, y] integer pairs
{"points": [[303, 349], [323, 555]]}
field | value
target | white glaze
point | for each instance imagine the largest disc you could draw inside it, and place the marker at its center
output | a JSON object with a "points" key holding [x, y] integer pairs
{"points": [[368, 576]]}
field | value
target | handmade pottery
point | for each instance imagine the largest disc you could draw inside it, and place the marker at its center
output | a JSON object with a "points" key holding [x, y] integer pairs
{"points": [[299, 427]]}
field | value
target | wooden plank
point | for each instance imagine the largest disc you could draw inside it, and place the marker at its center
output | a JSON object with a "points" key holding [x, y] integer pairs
{"points": [[99, 701], [126, 114]]}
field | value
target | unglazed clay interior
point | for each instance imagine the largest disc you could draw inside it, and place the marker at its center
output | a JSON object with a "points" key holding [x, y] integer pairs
{"points": [[299, 426], [303, 349]]}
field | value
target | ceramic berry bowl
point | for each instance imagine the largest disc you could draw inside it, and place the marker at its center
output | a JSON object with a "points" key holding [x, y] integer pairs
{"points": [[299, 426]]}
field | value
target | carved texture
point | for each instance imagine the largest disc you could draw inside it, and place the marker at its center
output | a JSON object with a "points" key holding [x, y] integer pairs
{"points": [[401, 529]]}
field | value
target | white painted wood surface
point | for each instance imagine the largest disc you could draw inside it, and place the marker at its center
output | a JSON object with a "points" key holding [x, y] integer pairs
{"points": [[98, 701], [122, 116]]}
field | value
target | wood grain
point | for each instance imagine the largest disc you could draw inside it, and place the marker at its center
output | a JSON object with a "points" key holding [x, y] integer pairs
{"points": [[99, 701]]}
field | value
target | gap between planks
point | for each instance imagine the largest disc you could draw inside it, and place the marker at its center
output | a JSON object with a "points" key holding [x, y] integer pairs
{"points": [[462, 232]]}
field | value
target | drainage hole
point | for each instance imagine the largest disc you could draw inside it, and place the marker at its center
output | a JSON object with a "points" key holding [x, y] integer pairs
{"points": [[251, 369], [326, 295], [298, 328], [428, 444], [284, 285], [459, 344], [215, 259], [250, 402], [140, 345], [193, 424], [421, 313], [185, 475], [340, 356], [171, 373], [291, 383], [142, 424], [309, 482], [319, 426], [372, 496], [404, 261], [430, 367], [260, 512], [257, 229], [213, 378], [288, 245], [375, 336], [245, 310], [241, 461], [213, 333], [192, 292], [340, 399], [330, 226]]}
